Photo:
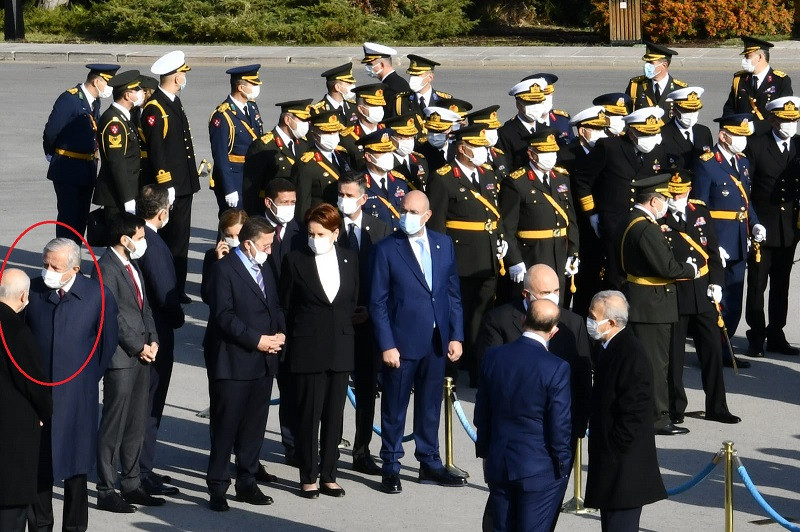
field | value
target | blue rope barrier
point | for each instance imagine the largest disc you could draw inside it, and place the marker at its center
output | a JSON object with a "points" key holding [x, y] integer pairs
{"points": [[697, 479], [760, 500], [462, 417], [375, 428]]}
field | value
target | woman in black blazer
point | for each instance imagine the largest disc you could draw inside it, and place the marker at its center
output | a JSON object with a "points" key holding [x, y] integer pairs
{"points": [[318, 290], [230, 223]]}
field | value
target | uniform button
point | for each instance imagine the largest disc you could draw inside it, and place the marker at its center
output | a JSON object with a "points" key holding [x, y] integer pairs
{"points": [[433, 299], [783, 208]]}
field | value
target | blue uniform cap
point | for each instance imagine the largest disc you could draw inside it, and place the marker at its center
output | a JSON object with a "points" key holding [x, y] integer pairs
{"points": [[245, 72], [104, 70]]}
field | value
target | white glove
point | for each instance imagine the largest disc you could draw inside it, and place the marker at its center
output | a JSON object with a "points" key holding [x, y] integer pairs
{"points": [[759, 233], [693, 265], [502, 248], [130, 206], [517, 272], [595, 221], [724, 256], [572, 266], [48, 157], [232, 199], [714, 293], [171, 192]]}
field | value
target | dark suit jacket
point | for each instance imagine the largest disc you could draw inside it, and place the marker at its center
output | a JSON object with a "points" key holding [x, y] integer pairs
{"points": [[511, 140], [267, 157], [320, 335], [24, 404], [522, 413], [623, 465], [373, 230], [396, 84], [642, 93], [136, 326], [160, 283], [294, 237], [675, 143], [503, 325]]}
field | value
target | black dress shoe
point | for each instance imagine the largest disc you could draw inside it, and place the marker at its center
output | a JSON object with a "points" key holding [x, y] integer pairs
{"points": [[783, 349], [676, 420], [366, 465], [440, 476], [218, 503], [253, 495], [115, 504], [263, 476], [184, 299], [740, 363], [158, 488], [753, 352], [309, 494], [141, 497], [671, 430], [725, 417], [160, 479], [343, 444], [391, 484], [331, 492]]}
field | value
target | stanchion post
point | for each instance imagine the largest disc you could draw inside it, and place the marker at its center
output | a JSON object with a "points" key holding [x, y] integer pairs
{"points": [[448, 429], [575, 504], [727, 447]]}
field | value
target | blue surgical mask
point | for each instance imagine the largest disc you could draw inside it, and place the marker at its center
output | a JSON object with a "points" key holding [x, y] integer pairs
{"points": [[411, 224], [183, 85], [649, 70], [371, 73]]}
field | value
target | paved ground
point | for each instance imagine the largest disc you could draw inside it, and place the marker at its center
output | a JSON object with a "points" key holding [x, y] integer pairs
{"points": [[766, 396]]}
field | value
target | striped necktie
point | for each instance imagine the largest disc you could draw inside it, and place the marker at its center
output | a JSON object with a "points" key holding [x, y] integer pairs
{"points": [[259, 278]]}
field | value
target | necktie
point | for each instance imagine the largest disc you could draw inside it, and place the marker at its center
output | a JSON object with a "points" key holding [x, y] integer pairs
{"points": [[259, 278], [733, 164], [422, 102], [278, 229], [785, 147], [658, 92], [61, 293], [476, 181], [755, 83], [246, 111], [427, 268], [135, 287], [291, 147], [96, 108], [688, 136], [352, 239], [546, 181], [383, 184]]}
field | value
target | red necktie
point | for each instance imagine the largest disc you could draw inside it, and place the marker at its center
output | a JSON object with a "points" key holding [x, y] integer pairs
{"points": [[135, 286], [278, 229]]}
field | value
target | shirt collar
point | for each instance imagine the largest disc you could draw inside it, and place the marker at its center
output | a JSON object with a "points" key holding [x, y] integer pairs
{"points": [[244, 258], [648, 213], [605, 344], [662, 84], [89, 98], [122, 258], [237, 103], [779, 140], [760, 77], [538, 171], [151, 226], [71, 282], [423, 236], [533, 336], [168, 94], [725, 153], [357, 221], [125, 112], [333, 102], [466, 170], [286, 138]]}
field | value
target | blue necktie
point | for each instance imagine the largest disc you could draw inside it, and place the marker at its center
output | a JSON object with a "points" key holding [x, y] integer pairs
{"points": [[259, 279], [427, 268]]}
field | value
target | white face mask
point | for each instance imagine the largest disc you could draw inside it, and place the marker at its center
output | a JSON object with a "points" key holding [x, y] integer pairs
{"points": [[300, 130], [404, 147], [591, 328], [748, 65], [139, 99], [255, 90], [594, 136], [647, 143], [787, 130], [437, 140], [232, 241], [25, 304], [687, 119], [283, 213], [183, 85], [416, 83], [549, 297], [371, 73], [261, 256], [548, 103], [106, 92], [165, 222], [348, 94], [738, 144], [53, 279], [411, 224], [479, 155], [374, 114], [492, 137], [328, 141], [664, 209], [320, 245], [139, 248], [348, 206], [547, 161], [536, 112], [384, 161], [677, 204], [617, 125]]}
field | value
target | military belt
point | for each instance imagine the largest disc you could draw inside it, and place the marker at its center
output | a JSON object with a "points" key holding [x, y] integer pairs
{"points": [[236, 158], [729, 215], [543, 233], [472, 226], [660, 281], [75, 155]]}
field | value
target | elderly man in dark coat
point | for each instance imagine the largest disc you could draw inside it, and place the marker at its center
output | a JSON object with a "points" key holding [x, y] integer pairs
{"points": [[24, 405], [65, 315]]}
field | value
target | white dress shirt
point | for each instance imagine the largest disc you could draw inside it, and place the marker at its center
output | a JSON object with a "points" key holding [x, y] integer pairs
{"points": [[533, 336], [328, 271], [89, 98], [125, 112], [125, 263], [168, 94], [415, 247], [71, 282]]}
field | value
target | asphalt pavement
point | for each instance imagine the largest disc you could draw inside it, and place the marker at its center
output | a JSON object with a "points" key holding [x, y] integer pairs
{"points": [[765, 396]]}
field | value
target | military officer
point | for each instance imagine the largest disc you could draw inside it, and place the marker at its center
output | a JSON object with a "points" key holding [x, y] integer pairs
{"points": [[683, 136], [119, 181], [367, 117], [318, 169], [487, 117], [70, 146], [420, 94], [689, 231], [378, 64], [756, 84], [722, 182], [274, 154], [170, 157], [651, 89], [233, 126], [650, 271], [386, 187], [538, 212], [149, 84], [774, 175], [463, 199], [604, 185], [339, 83], [530, 100], [462, 107], [557, 119], [412, 164], [618, 105], [437, 148]]}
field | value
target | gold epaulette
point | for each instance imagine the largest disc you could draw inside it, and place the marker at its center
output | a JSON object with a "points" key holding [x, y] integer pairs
{"points": [[560, 113], [740, 73], [397, 175], [268, 137], [404, 93], [707, 156], [639, 79], [418, 154], [320, 105], [444, 169], [498, 150], [487, 166], [779, 73], [444, 95], [679, 83], [560, 170], [353, 102], [697, 202], [348, 131], [73, 90], [224, 107], [341, 149], [307, 156], [516, 174]]}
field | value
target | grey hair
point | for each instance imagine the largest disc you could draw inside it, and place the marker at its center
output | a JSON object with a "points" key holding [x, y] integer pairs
{"points": [[615, 306], [12, 286], [57, 244]]}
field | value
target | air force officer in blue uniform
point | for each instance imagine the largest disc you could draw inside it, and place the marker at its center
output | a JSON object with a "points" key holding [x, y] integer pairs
{"points": [[415, 305]]}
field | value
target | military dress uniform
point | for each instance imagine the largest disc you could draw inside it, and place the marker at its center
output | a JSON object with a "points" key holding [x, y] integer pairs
{"points": [[413, 166], [438, 120], [617, 105], [70, 144], [686, 143], [646, 92], [271, 156], [119, 180], [347, 107], [384, 201], [395, 81], [170, 161], [232, 128], [557, 119], [497, 157], [410, 102], [371, 95], [514, 133]]}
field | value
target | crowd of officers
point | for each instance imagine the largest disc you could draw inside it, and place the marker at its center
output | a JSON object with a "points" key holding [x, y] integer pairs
{"points": [[631, 193]]}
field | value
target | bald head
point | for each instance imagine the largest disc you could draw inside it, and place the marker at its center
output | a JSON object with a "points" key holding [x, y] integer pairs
{"points": [[416, 203], [540, 282], [542, 318], [14, 287]]}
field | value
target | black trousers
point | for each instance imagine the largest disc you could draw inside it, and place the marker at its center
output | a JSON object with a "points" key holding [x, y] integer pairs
{"points": [[286, 408], [160, 375], [656, 338], [320, 408], [239, 411], [76, 507], [709, 352], [176, 235], [620, 520], [477, 297], [122, 428], [12, 518], [775, 267], [73, 205], [365, 380]]}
